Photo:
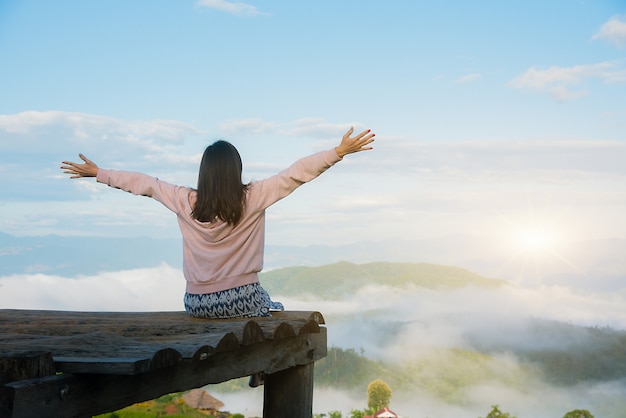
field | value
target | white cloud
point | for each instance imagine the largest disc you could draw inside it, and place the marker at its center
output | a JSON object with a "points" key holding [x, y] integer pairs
{"points": [[58, 132], [562, 94], [468, 78], [449, 317], [129, 290], [613, 31], [82, 125], [421, 186], [432, 322], [467, 161], [363, 202], [233, 7], [305, 127], [318, 128], [252, 126], [558, 81]]}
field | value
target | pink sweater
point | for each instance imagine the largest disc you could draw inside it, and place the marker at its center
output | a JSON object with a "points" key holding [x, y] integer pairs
{"points": [[218, 256]]}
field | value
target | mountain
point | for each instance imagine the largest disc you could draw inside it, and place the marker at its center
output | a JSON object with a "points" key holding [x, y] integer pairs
{"points": [[337, 280], [72, 256], [589, 265]]}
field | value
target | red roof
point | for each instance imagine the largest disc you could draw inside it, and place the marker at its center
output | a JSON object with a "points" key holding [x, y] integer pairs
{"points": [[385, 413]]}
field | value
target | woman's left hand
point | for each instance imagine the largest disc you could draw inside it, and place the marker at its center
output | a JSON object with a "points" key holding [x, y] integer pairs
{"points": [[88, 169], [358, 143]]}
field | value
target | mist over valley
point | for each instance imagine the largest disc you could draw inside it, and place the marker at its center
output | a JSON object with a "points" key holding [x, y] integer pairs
{"points": [[450, 341]]}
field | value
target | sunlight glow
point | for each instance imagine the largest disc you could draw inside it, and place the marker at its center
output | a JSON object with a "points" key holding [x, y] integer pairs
{"points": [[536, 240]]}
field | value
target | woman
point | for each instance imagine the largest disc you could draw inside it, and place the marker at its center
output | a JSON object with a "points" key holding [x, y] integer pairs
{"points": [[223, 221]]}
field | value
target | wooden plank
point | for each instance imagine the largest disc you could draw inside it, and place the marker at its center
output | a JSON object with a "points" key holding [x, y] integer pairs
{"points": [[136, 338], [46, 322], [69, 395], [143, 326]]}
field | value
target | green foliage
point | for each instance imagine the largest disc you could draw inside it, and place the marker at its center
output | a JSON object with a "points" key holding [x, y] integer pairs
{"points": [[378, 395], [444, 373], [496, 413], [360, 413], [587, 354], [348, 370], [170, 405], [233, 385], [336, 280], [447, 373], [578, 413], [331, 414]]}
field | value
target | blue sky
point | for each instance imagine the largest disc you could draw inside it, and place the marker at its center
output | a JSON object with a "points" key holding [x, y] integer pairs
{"points": [[505, 120]]}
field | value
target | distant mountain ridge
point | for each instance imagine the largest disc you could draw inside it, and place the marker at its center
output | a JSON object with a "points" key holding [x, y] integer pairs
{"points": [[73, 256], [590, 265], [336, 280]]}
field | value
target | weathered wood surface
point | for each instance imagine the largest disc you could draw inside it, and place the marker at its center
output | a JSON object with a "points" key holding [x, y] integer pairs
{"points": [[103, 361], [135, 342]]}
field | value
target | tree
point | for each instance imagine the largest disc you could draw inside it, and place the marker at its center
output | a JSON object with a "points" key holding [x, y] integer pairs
{"points": [[331, 414], [378, 395], [358, 413], [578, 413], [496, 413]]}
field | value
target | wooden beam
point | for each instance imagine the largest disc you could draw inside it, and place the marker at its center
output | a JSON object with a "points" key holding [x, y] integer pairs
{"points": [[85, 395]]}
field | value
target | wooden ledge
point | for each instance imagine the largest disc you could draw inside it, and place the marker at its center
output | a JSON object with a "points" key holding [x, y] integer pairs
{"points": [[74, 364], [136, 342]]}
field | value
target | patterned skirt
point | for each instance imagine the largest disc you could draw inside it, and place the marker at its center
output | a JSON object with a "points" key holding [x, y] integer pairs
{"points": [[240, 302]]}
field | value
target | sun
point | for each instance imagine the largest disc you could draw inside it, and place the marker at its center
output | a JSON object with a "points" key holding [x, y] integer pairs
{"points": [[537, 251], [534, 243], [536, 240]]}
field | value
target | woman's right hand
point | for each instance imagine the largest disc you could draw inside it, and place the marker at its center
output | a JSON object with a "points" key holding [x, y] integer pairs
{"points": [[88, 169], [358, 143]]}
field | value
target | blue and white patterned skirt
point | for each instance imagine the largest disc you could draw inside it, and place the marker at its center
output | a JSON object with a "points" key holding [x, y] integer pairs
{"points": [[240, 302]]}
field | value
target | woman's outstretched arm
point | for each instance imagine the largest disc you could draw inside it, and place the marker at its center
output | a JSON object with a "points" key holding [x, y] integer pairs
{"points": [[88, 169], [170, 195]]}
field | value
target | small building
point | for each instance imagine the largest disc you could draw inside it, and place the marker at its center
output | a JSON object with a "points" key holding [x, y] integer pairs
{"points": [[383, 413], [201, 399]]}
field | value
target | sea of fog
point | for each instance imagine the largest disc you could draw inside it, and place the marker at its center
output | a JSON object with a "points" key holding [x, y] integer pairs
{"points": [[431, 320]]}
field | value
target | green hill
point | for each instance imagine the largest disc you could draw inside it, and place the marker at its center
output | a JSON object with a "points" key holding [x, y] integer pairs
{"points": [[445, 373], [336, 280]]}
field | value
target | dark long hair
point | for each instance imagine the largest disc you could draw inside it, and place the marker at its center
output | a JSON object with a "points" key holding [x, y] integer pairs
{"points": [[220, 193]]}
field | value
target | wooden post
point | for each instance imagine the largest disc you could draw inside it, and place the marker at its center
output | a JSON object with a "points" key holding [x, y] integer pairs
{"points": [[289, 393], [21, 366]]}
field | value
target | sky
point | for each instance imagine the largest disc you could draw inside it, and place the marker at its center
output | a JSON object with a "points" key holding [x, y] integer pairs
{"points": [[500, 120], [505, 120]]}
